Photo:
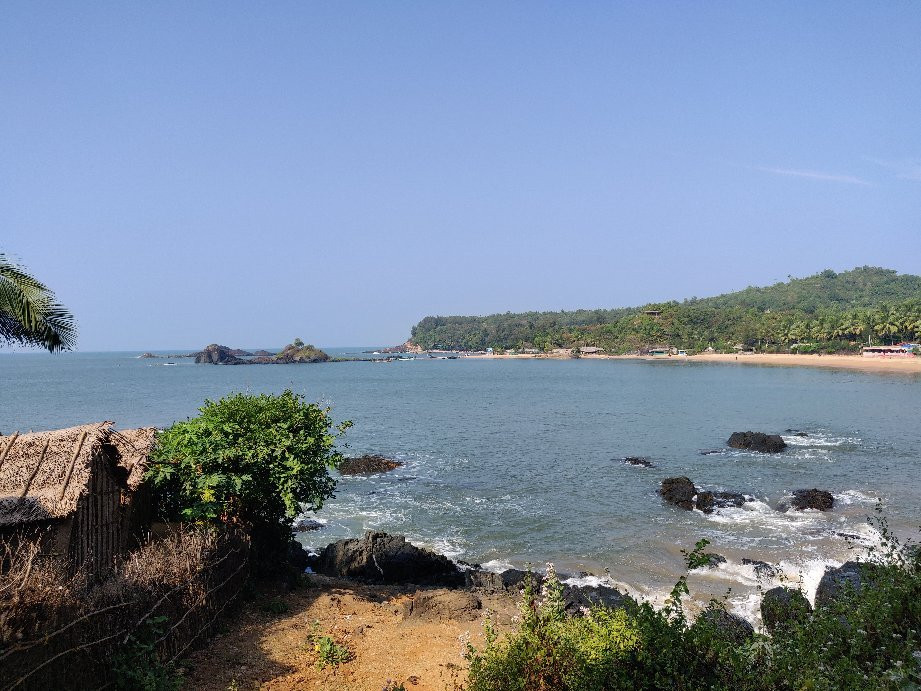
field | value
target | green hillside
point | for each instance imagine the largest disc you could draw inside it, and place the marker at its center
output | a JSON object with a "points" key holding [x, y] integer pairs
{"points": [[827, 312]]}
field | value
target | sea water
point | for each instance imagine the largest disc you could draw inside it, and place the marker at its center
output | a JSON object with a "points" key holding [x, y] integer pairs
{"points": [[517, 462]]}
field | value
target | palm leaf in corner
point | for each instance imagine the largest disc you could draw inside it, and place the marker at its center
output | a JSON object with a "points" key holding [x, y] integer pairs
{"points": [[29, 314]]}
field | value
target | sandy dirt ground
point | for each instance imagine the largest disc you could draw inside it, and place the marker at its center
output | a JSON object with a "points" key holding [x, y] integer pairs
{"points": [[851, 362], [262, 650]]}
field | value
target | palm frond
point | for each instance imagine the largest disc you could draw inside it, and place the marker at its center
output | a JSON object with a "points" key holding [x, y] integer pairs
{"points": [[29, 313]]}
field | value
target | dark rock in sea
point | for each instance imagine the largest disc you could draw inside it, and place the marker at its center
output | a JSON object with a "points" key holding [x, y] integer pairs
{"points": [[812, 499], [367, 465], [215, 354], [705, 501], [509, 581], [147, 356], [577, 599], [762, 568], [381, 558], [729, 627], [679, 491], [795, 432], [781, 607], [304, 524], [710, 452], [262, 353], [757, 441], [639, 461], [293, 353], [850, 576], [439, 605]]}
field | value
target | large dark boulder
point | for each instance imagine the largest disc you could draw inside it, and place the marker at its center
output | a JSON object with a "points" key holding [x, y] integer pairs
{"points": [[850, 576], [679, 491], [578, 599], [781, 607], [382, 558], [762, 568], [757, 441], [215, 354], [729, 627], [812, 499]]}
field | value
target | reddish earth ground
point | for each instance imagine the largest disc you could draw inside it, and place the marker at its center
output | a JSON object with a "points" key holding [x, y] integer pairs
{"points": [[391, 636]]}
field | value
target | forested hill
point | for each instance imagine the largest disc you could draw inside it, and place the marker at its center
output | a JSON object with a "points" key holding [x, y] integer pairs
{"points": [[825, 312]]}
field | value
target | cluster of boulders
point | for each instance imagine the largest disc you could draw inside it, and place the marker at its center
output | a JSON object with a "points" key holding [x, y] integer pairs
{"points": [[682, 492], [296, 352]]}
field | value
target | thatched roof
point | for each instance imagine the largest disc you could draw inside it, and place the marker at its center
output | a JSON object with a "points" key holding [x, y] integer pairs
{"points": [[44, 474]]}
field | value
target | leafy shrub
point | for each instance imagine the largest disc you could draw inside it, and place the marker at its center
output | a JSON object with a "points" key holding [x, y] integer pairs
{"points": [[866, 639], [252, 460], [137, 666], [330, 653], [274, 606]]}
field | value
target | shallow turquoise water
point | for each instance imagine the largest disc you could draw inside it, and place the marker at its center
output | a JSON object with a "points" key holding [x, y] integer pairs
{"points": [[516, 461]]}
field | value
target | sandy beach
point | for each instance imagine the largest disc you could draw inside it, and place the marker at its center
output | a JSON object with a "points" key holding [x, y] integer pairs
{"points": [[851, 362]]}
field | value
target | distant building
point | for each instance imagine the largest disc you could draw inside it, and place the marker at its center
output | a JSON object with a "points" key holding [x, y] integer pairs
{"points": [[590, 350], [652, 313], [660, 351]]}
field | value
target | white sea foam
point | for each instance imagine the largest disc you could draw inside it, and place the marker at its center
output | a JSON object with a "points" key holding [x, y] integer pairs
{"points": [[497, 565], [819, 439], [854, 496]]}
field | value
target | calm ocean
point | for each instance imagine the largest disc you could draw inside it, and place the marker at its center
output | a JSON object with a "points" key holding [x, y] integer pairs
{"points": [[509, 462]]}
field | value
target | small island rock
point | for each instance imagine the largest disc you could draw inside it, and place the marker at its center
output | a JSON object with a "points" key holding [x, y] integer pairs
{"points": [[757, 441], [679, 491], [367, 465], [812, 499]]}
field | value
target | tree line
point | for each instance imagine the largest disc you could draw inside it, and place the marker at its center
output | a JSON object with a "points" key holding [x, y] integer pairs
{"points": [[828, 312]]}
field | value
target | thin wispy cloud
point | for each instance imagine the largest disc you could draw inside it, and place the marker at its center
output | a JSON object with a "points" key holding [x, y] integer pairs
{"points": [[816, 175], [906, 169]]}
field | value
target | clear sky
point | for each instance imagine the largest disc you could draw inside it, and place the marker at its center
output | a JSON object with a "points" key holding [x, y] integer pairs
{"points": [[246, 172]]}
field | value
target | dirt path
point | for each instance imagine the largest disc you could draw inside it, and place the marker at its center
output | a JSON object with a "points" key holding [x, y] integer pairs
{"points": [[391, 636]]}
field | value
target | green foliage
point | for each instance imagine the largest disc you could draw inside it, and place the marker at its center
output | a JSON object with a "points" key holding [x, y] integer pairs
{"points": [[329, 653], [137, 666], [253, 460], [29, 314], [828, 312], [866, 639]]}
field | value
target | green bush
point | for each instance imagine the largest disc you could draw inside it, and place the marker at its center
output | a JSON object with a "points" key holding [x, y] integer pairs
{"points": [[866, 639], [252, 460]]}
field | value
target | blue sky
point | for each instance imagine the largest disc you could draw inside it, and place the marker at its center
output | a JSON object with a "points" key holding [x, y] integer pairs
{"points": [[183, 173]]}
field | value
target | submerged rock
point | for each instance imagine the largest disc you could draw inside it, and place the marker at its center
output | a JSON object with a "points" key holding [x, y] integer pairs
{"points": [[367, 465], [781, 607], [708, 501], [812, 499], [382, 558], [641, 461], [851, 575], [757, 441], [679, 491], [304, 524]]}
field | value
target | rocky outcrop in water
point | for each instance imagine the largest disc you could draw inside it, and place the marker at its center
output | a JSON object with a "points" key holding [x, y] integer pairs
{"points": [[782, 607], [679, 491], [215, 354], [640, 461], [762, 568], [708, 501], [851, 575], [509, 581], [757, 441], [812, 499], [381, 558], [367, 465]]}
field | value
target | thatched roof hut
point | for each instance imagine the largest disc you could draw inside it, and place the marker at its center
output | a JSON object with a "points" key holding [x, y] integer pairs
{"points": [[77, 487]]}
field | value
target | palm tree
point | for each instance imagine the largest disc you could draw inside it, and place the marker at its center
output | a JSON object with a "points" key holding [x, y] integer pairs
{"points": [[29, 314]]}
